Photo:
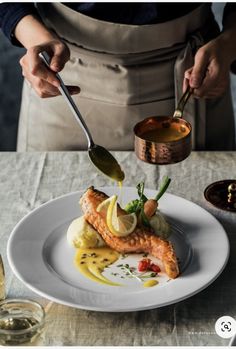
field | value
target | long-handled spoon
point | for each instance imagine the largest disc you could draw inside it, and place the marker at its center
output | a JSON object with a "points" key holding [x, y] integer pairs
{"points": [[99, 155]]}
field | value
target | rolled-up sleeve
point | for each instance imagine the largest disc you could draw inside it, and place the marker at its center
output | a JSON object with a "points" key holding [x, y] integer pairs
{"points": [[11, 14]]}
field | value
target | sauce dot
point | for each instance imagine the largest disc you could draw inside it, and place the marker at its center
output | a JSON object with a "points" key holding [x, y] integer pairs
{"points": [[150, 283]]}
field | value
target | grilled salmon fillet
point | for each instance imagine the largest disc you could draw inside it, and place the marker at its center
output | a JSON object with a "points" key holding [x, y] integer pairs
{"points": [[141, 240]]}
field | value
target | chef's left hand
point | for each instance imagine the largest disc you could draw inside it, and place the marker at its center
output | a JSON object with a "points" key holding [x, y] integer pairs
{"points": [[209, 76]]}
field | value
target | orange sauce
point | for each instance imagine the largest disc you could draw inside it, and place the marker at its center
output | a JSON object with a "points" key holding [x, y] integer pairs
{"points": [[168, 133]]}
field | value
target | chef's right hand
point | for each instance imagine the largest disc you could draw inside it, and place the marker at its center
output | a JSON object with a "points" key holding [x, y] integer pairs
{"points": [[40, 77]]}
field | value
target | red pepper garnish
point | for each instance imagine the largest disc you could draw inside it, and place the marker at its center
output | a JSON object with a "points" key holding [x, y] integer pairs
{"points": [[147, 265], [144, 264], [155, 268]]}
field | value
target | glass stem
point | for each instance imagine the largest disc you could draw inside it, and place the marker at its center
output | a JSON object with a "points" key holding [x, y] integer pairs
{"points": [[2, 281]]}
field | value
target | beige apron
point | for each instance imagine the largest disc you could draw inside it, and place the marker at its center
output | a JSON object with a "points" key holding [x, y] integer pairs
{"points": [[126, 73]]}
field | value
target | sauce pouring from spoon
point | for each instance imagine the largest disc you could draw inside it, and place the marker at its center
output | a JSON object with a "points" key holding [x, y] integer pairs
{"points": [[99, 156]]}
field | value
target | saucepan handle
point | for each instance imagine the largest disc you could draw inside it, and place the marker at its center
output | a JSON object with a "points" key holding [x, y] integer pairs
{"points": [[181, 104]]}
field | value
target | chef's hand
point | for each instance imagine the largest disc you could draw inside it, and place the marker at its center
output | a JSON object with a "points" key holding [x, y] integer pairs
{"points": [[40, 77], [209, 76], [35, 37]]}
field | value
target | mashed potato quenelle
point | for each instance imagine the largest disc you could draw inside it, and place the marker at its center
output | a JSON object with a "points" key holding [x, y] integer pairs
{"points": [[81, 234]]}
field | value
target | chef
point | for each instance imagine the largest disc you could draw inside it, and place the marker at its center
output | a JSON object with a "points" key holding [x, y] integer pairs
{"points": [[122, 62]]}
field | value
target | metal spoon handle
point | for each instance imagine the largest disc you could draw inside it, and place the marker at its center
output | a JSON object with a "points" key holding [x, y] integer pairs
{"points": [[181, 104], [65, 93]]}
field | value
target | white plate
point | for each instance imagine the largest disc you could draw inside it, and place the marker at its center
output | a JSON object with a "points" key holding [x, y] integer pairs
{"points": [[40, 257]]}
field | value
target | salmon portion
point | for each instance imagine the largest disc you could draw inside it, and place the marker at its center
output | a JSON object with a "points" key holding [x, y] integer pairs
{"points": [[141, 240]]}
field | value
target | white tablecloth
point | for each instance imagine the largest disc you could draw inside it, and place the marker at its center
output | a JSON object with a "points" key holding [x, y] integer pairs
{"points": [[29, 179]]}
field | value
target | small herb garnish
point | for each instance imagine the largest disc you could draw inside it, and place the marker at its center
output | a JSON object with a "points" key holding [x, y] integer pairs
{"points": [[152, 275], [130, 272], [114, 274]]}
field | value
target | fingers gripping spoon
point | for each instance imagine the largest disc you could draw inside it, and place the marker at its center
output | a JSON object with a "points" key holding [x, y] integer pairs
{"points": [[98, 155]]}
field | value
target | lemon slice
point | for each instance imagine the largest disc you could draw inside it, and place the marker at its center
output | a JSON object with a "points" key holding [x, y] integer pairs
{"points": [[119, 226], [103, 206], [122, 225]]}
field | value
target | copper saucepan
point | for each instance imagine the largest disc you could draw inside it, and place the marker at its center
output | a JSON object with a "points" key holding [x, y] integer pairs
{"points": [[164, 139]]}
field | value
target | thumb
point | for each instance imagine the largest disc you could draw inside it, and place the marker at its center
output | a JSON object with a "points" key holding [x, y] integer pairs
{"points": [[187, 76], [199, 69], [61, 55]]}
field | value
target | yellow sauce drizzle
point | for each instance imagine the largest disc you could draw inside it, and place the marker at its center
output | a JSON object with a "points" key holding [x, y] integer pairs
{"points": [[150, 283], [91, 262], [120, 185]]}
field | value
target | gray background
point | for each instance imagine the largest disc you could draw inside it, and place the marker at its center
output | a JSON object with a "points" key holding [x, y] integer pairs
{"points": [[11, 83]]}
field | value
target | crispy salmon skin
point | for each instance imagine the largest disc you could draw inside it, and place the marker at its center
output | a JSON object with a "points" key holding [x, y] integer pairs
{"points": [[141, 240]]}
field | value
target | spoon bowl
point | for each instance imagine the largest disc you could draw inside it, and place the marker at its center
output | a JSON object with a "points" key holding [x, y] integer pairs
{"points": [[106, 162]]}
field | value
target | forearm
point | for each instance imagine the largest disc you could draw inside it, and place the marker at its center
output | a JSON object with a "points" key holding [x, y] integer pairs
{"points": [[30, 31]]}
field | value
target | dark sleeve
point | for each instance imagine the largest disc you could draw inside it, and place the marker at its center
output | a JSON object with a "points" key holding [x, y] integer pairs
{"points": [[230, 8], [11, 14]]}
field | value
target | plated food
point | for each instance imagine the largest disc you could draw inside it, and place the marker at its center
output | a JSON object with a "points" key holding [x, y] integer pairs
{"points": [[42, 259], [106, 233]]}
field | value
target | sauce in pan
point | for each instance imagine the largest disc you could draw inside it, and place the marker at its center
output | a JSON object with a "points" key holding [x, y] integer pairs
{"points": [[167, 133]]}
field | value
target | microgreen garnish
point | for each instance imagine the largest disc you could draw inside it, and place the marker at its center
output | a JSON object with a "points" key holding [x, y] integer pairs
{"points": [[152, 275], [130, 271], [114, 274]]}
